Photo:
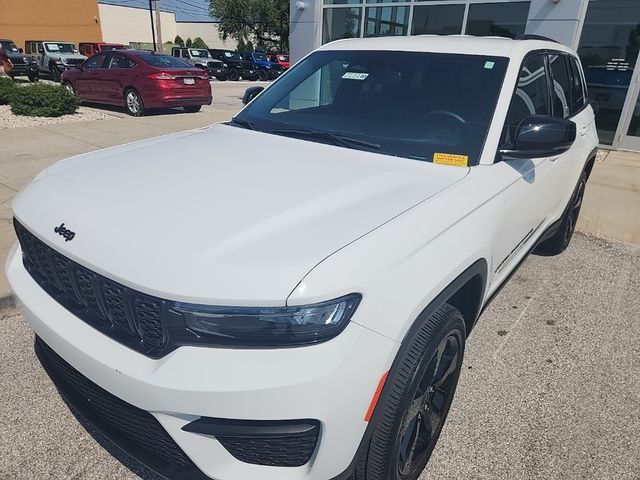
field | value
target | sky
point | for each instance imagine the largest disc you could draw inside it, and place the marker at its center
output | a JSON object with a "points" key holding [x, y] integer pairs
{"points": [[186, 10]]}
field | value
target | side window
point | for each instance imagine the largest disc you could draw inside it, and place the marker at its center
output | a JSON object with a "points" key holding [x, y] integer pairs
{"points": [[94, 62], [175, 52], [561, 85], [117, 61], [185, 53], [531, 96], [578, 89]]}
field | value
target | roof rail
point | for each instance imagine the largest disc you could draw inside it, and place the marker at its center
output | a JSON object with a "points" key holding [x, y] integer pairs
{"points": [[536, 37]]}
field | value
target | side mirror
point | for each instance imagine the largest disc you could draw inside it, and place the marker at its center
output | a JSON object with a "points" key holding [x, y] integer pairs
{"points": [[541, 136], [251, 93], [40, 49], [20, 50]]}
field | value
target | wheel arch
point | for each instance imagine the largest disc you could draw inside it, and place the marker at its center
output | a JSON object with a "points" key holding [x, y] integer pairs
{"points": [[591, 160], [465, 293]]}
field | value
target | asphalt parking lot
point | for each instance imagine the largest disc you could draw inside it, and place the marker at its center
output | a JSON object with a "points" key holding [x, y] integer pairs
{"points": [[550, 388]]}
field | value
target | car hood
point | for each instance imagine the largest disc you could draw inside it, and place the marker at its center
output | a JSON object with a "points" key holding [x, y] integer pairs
{"points": [[220, 215]]}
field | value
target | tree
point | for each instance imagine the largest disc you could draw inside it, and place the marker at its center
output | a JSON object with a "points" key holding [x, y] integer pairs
{"points": [[188, 43], [265, 22], [199, 43], [178, 41], [249, 47]]}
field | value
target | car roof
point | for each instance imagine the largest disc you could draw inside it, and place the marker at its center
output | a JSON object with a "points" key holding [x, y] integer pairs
{"points": [[458, 44]]}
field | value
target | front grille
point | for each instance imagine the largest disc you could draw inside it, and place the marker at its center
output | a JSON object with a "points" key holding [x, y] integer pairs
{"points": [[17, 60], [126, 315], [289, 451], [134, 430], [73, 61]]}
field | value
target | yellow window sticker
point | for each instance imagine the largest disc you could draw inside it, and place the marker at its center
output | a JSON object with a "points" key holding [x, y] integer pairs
{"points": [[451, 159]]}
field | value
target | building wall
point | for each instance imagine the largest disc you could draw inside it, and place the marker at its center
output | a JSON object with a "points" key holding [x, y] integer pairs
{"points": [[127, 24], [558, 20], [72, 20], [133, 25], [207, 31]]}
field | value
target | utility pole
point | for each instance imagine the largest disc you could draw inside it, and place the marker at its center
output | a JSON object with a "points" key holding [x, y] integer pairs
{"points": [[153, 30], [158, 27]]}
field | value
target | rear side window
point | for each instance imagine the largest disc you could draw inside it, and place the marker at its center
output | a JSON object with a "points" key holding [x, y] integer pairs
{"points": [[163, 61], [531, 96], [578, 89], [561, 85]]}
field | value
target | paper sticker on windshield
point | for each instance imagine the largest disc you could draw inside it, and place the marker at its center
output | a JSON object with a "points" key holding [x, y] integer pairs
{"points": [[52, 47], [355, 76], [451, 159], [489, 65]]}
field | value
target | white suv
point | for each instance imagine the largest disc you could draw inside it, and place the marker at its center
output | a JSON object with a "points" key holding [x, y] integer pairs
{"points": [[294, 303]]}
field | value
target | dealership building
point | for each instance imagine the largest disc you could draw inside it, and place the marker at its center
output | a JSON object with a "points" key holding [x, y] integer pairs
{"points": [[606, 34]]}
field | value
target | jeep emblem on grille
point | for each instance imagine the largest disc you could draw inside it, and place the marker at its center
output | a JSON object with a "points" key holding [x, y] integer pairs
{"points": [[65, 232]]}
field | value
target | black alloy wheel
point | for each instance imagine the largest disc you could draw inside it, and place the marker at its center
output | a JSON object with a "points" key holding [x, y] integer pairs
{"points": [[425, 417]]}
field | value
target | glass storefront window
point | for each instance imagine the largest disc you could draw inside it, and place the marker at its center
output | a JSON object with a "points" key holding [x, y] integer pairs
{"points": [[342, 2], [385, 21], [437, 19], [340, 23], [609, 50], [499, 19]]}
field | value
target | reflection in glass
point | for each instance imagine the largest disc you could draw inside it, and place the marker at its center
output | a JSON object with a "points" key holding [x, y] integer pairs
{"points": [[609, 50], [385, 21], [437, 19], [498, 19], [340, 23]]}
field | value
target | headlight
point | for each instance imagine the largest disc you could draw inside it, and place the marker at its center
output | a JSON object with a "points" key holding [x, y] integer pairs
{"points": [[268, 327], [224, 65]]}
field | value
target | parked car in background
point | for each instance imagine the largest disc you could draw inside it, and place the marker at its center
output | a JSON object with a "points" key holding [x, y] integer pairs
{"points": [[281, 59], [89, 49], [53, 57], [139, 80], [237, 67], [23, 65], [201, 58], [266, 70]]}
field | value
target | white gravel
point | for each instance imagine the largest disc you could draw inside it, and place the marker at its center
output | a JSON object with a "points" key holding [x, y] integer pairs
{"points": [[83, 114]]}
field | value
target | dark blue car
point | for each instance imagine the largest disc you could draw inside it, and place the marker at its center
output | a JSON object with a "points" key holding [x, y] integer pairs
{"points": [[267, 70]]}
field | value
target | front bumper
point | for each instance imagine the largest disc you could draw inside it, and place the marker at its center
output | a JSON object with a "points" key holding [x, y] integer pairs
{"points": [[331, 383]]}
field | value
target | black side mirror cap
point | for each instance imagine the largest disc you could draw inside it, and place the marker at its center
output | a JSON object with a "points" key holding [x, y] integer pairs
{"points": [[20, 50], [540, 136], [251, 93]]}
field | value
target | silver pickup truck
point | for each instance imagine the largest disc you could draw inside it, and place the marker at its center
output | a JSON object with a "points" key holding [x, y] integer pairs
{"points": [[54, 57]]}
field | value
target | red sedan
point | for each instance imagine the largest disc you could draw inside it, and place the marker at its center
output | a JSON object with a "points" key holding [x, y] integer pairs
{"points": [[139, 80]]}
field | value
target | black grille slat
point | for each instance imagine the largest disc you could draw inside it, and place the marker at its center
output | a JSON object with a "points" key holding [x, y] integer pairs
{"points": [[131, 317], [137, 426], [147, 314]]}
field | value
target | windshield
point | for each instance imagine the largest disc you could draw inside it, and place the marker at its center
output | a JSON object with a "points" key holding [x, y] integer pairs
{"points": [[234, 55], [9, 46], [60, 47], [261, 57], [199, 53], [163, 61], [408, 104]]}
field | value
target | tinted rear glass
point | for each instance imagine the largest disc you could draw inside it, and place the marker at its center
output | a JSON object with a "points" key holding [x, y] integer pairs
{"points": [[411, 104], [163, 61]]}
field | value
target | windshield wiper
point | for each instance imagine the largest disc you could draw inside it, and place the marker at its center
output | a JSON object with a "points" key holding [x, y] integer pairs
{"points": [[335, 138], [244, 123]]}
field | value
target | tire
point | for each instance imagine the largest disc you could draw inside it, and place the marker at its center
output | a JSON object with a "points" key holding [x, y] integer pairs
{"points": [[34, 78], [561, 239], [411, 412], [133, 103], [233, 75], [69, 86], [222, 78], [55, 73], [192, 109], [263, 75]]}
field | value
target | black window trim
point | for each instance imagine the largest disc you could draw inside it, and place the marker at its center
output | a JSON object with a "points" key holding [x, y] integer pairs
{"points": [[569, 57]]}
